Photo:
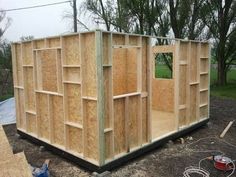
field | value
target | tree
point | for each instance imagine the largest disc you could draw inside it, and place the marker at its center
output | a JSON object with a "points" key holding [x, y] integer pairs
{"points": [[220, 18], [26, 38], [185, 18], [5, 68], [6, 84], [6, 25], [102, 11]]}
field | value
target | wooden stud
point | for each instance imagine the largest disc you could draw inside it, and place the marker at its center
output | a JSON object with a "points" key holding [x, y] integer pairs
{"points": [[100, 102], [64, 91], [198, 80], [59, 70], [127, 146], [209, 79], [13, 51], [84, 133], [188, 96], [24, 91], [51, 128], [149, 89], [111, 97], [176, 85], [139, 89]]}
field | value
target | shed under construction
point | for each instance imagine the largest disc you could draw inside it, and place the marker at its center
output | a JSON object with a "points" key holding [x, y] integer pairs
{"points": [[94, 97]]}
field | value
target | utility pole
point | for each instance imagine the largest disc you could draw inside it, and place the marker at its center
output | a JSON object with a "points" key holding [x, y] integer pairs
{"points": [[75, 15]]}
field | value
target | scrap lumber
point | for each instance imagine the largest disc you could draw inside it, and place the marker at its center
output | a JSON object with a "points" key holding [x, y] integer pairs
{"points": [[12, 164], [226, 129]]}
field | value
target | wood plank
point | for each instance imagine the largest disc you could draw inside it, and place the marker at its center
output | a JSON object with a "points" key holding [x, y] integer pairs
{"points": [[163, 49], [100, 97], [149, 89], [176, 83]]}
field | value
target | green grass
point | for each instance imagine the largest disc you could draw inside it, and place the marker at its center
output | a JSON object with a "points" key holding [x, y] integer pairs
{"points": [[7, 95], [162, 71], [4, 97], [228, 91]]}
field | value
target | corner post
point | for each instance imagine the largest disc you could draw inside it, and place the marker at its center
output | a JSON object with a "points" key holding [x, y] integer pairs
{"points": [[100, 97]]}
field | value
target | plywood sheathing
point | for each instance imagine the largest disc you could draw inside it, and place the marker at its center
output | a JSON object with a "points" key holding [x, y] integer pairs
{"points": [[163, 95], [93, 94], [12, 164]]}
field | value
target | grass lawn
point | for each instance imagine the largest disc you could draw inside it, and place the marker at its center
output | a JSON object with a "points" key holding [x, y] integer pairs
{"points": [[162, 71], [228, 91], [7, 95], [4, 97]]}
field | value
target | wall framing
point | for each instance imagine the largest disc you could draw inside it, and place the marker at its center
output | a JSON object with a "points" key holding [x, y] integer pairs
{"points": [[91, 94]]}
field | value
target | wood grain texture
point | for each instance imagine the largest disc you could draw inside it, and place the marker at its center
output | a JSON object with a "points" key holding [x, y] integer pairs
{"points": [[119, 125], [27, 53], [71, 50], [48, 66], [29, 89], [43, 115], [163, 95]]}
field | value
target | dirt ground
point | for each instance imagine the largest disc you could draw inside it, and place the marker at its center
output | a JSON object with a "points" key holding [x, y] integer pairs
{"points": [[170, 160]]}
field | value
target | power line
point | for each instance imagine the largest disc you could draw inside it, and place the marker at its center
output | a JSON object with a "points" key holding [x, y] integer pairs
{"points": [[31, 7]]}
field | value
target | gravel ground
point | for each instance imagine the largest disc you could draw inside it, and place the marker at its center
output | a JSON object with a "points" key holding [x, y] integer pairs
{"points": [[170, 160]]}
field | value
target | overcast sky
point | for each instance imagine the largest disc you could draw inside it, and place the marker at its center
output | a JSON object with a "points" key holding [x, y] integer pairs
{"points": [[38, 22]]}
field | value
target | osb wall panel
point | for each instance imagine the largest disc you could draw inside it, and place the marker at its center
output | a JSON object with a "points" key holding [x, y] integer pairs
{"points": [[18, 118], [193, 62], [27, 53], [133, 122], [127, 125], [125, 70], [39, 44], [119, 126], [193, 103], [89, 65], [90, 108], [163, 95], [48, 66], [53, 42], [106, 44], [31, 123], [75, 141], [182, 84], [71, 50], [72, 74], [73, 103], [107, 99], [119, 71], [203, 112], [108, 147], [42, 102], [29, 89], [53, 78], [183, 51], [57, 121], [118, 39], [144, 120], [182, 117], [21, 110], [131, 70]]}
